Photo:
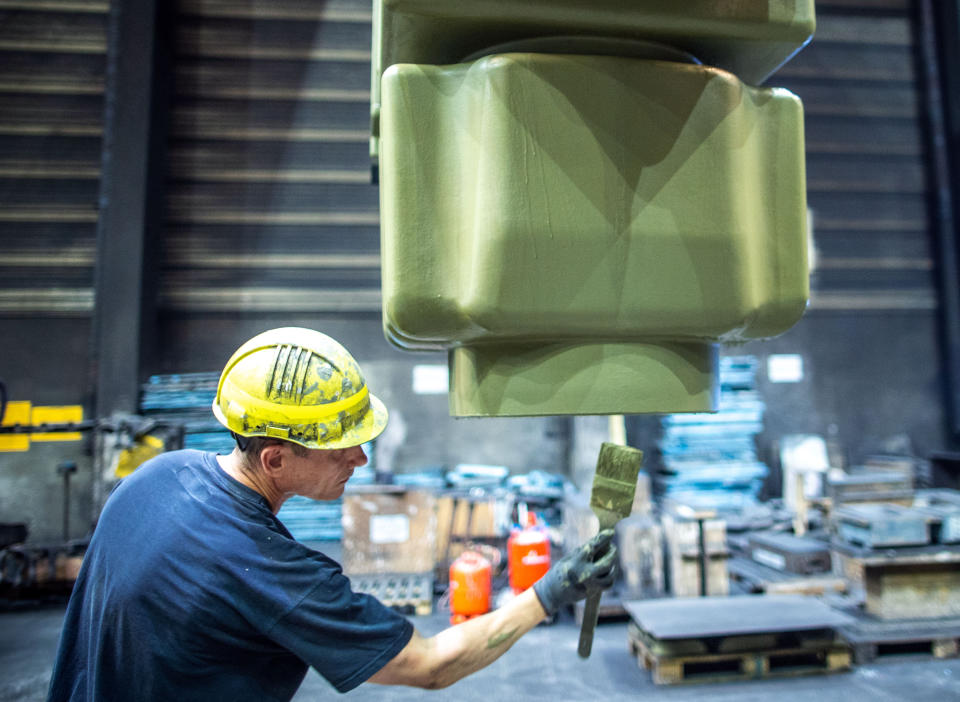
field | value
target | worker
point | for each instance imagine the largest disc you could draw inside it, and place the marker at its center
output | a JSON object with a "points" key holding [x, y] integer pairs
{"points": [[192, 589]]}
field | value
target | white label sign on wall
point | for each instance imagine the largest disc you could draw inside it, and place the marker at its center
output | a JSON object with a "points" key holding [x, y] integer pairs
{"points": [[430, 379], [785, 368], [389, 529]]}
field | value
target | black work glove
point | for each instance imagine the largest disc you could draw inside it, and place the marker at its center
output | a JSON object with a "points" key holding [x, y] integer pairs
{"points": [[591, 568]]}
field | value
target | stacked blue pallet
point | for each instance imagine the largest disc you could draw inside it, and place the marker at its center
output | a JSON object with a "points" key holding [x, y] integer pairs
{"points": [[710, 460], [312, 520], [186, 398]]}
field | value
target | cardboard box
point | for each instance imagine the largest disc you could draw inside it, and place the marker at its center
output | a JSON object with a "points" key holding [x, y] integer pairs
{"points": [[389, 532]]}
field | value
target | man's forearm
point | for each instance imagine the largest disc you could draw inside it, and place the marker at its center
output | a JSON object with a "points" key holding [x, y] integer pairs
{"points": [[478, 642], [460, 650]]}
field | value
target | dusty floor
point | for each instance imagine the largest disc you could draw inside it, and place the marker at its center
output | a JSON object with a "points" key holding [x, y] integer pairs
{"points": [[542, 666]]}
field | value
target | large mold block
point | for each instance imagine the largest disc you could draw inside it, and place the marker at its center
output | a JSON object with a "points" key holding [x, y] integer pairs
{"points": [[581, 230], [750, 38]]}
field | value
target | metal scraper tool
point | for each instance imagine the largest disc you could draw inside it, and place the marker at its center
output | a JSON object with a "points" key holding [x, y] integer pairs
{"points": [[611, 500]]}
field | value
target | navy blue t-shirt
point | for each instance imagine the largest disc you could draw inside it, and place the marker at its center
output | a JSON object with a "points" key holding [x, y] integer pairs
{"points": [[193, 590]]}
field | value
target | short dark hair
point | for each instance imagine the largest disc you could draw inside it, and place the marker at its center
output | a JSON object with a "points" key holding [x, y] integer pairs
{"points": [[251, 446]]}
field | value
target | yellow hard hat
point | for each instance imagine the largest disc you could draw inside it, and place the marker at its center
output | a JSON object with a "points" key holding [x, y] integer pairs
{"points": [[301, 386]]}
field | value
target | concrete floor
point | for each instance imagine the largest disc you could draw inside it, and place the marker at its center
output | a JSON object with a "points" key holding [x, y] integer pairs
{"points": [[543, 665]]}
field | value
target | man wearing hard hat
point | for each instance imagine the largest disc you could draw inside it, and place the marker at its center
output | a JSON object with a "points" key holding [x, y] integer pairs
{"points": [[192, 589]]}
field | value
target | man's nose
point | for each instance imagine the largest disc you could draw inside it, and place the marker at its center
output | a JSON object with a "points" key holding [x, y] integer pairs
{"points": [[358, 457]]}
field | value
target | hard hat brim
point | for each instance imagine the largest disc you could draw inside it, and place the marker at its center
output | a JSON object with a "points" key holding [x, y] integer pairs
{"points": [[368, 428]]}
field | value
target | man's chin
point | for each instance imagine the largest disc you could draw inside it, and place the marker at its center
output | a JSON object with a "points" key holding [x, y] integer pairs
{"points": [[330, 494], [334, 493]]}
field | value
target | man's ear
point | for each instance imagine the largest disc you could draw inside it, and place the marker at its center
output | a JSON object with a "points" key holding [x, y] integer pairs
{"points": [[271, 459]]}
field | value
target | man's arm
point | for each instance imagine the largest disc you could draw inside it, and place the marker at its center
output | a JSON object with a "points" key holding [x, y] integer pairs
{"points": [[461, 650]]}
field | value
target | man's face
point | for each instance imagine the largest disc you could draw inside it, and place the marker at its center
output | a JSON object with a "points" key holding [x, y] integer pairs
{"points": [[323, 473]]}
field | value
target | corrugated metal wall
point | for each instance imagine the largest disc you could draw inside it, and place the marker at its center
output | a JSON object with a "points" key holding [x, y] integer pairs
{"points": [[270, 206], [52, 63], [865, 158]]}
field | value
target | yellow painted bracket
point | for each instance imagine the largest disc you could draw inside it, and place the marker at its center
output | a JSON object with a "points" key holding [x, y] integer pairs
{"points": [[24, 413], [58, 414], [16, 413]]}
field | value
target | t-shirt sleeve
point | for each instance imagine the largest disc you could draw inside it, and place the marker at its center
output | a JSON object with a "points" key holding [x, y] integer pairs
{"points": [[346, 636]]}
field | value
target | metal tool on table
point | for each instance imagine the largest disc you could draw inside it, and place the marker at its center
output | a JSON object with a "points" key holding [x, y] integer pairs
{"points": [[611, 500]]}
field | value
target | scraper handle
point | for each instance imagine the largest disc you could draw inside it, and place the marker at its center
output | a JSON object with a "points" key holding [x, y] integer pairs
{"points": [[590, 611]]}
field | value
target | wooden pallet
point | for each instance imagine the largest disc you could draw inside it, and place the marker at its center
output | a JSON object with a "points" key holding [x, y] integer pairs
{"points": [[874, 639], [407, 593], [738, 658], [919, 645]]}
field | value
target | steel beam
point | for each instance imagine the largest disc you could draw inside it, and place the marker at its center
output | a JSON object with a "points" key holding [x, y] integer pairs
{"points": [[131, 195], [938, 30]]}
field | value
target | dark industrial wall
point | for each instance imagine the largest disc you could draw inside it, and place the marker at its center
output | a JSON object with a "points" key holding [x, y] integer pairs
{"points": [[269, 203], [52, 66], [874, 379], [271, 220]]}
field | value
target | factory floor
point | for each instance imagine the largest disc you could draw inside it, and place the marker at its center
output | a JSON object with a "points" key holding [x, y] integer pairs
{"points": [[541, 666]]}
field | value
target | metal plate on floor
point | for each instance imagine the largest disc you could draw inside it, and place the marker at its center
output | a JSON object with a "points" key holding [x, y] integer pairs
{"points": [[697, 617]]}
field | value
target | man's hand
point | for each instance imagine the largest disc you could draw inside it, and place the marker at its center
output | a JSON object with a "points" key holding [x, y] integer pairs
{"points": [[592, 567]]}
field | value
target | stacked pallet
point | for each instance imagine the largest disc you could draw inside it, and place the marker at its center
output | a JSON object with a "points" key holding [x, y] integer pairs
{"points": [[918, 582], [873, 638], [186, 399], [906, 559], [713, 639], [710, 460]]}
